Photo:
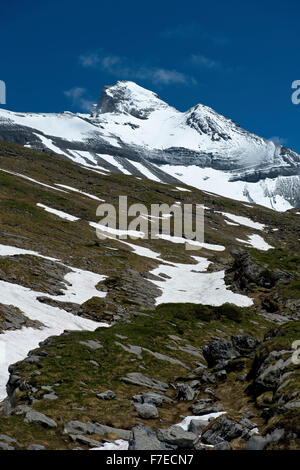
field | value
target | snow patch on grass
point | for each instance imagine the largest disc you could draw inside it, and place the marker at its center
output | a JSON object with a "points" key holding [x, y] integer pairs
{"points": [[62, 215]]}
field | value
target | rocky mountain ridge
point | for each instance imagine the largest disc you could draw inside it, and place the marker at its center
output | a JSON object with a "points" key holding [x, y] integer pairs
{"points": [[132, 131]]}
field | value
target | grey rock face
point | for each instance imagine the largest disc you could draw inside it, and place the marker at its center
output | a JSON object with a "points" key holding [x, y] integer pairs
{"points": [[221, 374], [92, 344], [222, 446], [50, 396], [201, 409], [85, 440], [175, 435], [108, 395], [261, 442], [218, 350], [5, 446], [185, 392], [77, 427], [245, 344], [152, 398], [146, 410], [35, 417], [246, 274], [11, 318], [248, 424], [196, 426], [223, 429], [136, 378], [35, 447], [4, 437], [143, 438]]}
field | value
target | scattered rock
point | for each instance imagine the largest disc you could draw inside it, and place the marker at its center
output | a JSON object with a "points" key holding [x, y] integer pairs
{"points": [[50, 396], [202, 408], [185, 392], [108, 395], [153, 398], [5, 446], [175, 435], [136, 378], [35, 447], [92, 344], [222, 446], [218, 350], [261, 442], [143, 438], [248, 424], [222, 429], [36, 417], [245, 344], [85, 440], [196, 426], [221, 374], [4, 437], [146, 410], [77, 427]]}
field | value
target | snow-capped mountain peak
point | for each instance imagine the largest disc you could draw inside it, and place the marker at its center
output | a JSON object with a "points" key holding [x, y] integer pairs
{"points": [[132, 131], [127, 97]]}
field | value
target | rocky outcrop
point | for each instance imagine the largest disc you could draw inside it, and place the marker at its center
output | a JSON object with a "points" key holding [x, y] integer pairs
{"points": [[245, 274], [136, 378]]}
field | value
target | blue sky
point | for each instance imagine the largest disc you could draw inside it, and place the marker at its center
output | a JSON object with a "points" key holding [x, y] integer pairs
{"points": [[240, 58]]}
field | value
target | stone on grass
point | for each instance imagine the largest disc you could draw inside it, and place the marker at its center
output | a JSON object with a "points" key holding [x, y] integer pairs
{"points": [[146, 410]]}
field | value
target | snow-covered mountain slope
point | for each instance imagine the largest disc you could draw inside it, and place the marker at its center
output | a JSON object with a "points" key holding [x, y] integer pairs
{"points": [[132, 131]]}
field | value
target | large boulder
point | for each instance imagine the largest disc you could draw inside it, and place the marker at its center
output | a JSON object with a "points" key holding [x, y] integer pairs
{"points": [[223, 429], [153, 398], [261, 442], [245, 344], [185, 392], [77, 427], [146, 410], [176, 436], [136, 378], [218, 350], [35, 417], [143, 438]]}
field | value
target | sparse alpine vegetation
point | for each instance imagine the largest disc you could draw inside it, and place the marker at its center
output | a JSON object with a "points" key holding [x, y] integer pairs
{"points": [[104, 362]]}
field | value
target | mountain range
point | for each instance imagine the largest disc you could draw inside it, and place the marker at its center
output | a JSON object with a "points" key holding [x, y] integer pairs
{"points": [[132, 131]]}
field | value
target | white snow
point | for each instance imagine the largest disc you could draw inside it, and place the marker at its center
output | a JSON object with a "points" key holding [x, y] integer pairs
{"points": [[7, 250], [62, 215], [217, 182], [49, 144], [145, 171], [179, 188], [117, 232], [32, 180], [242, 220], [195, 243], [191, 283], [15, 344], [119, 444], [80, 192], [256, 241], [139, 250], [184, 424], [110, 159]]}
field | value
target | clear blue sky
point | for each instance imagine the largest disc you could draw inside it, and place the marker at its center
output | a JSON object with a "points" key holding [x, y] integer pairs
{"points": [[239, 57]]}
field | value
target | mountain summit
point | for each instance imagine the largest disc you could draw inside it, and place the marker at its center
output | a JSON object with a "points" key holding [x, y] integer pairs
{"points": [[132, 131], [127, 97]]}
